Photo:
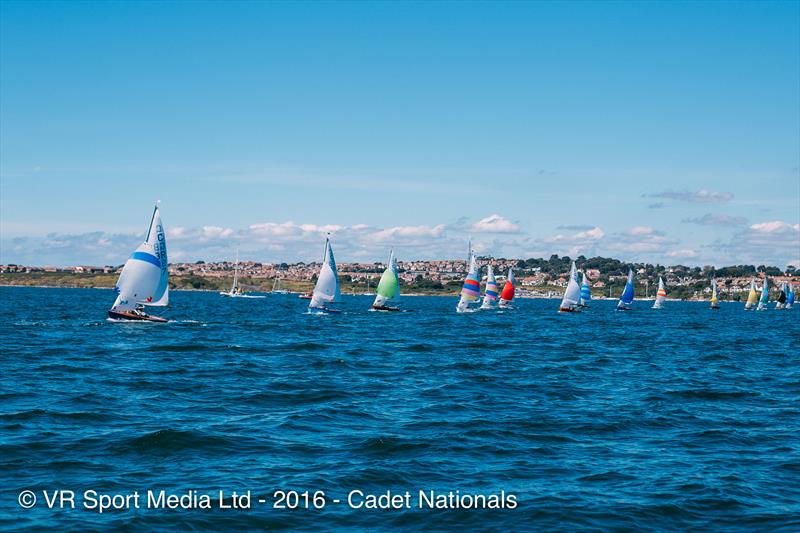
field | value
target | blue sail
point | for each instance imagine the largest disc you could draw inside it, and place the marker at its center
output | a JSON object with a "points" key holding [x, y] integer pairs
{"points": [[627, 294], [586, 292]]}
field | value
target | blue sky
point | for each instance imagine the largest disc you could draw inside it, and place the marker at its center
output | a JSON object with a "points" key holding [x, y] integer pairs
{"points": [[660, 132]]}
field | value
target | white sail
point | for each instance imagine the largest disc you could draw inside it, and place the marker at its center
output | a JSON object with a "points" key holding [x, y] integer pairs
{"points": [[327, 288], [235, 273], [490, 292], [661, 295], [144, 279], [762, 303], [572, 294]]}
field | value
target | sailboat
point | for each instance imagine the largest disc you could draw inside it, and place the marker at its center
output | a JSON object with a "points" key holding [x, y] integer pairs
{"points": [[507, 294], [779, 304], [471, 290], [626, 299], [572, 294], [144, 279], [490, 291], [326, 291], [661, 295], [586, 292], [275, 289], [714, 304], [762, 303], [790, 297], [752, 297], [235, 290], [388, 286]]}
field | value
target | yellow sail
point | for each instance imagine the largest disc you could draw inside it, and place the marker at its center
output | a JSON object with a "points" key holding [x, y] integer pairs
{"points": [[714, 293], [752, 298]]}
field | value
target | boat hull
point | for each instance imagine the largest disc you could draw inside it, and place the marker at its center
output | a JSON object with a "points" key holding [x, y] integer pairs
{"points": [[384, 308], [133, 317], [322, 311]]}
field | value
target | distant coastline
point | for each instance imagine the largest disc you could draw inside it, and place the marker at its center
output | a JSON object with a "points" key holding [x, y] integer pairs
{"points": [[72, 280]]}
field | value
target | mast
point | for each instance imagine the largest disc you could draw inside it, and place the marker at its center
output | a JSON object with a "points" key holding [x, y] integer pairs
{"points": [[152, 218]]}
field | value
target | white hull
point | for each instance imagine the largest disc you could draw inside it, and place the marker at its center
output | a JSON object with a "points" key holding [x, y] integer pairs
{"points": [[234, 295]]}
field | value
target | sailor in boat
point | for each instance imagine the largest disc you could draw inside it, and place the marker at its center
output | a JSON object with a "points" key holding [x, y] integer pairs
{"points": [[384, 308]]}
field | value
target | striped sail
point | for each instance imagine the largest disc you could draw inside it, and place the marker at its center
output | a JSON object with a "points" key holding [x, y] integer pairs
{"points": [[762, 303], [752, 297], [661, 295], [627, 294], [144, 279], [572, 293], [471, 290], [586, 291], [389, 285], [490, 293], [508, 289], [327, 288]]}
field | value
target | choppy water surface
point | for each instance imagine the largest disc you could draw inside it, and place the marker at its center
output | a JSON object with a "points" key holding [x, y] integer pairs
{"points": [[672, 419]]}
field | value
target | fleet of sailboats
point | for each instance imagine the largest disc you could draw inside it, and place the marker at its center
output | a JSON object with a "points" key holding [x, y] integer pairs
{"points": [[144, 280]]}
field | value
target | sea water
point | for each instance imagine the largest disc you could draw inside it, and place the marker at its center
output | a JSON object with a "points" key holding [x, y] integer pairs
{"points": [[650, 419]]}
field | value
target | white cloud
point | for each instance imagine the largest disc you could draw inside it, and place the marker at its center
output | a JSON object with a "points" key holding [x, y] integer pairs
{"points": [[495, 224], [711, 219], [215, 232], [765, 243], [641, 230], [684, 253], [775, 226], [641, 240], [594, 234], [406, 232], [700, 196]]}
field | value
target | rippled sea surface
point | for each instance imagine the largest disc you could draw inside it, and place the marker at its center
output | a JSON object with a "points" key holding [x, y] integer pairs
{"points": [[682, 418]]}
